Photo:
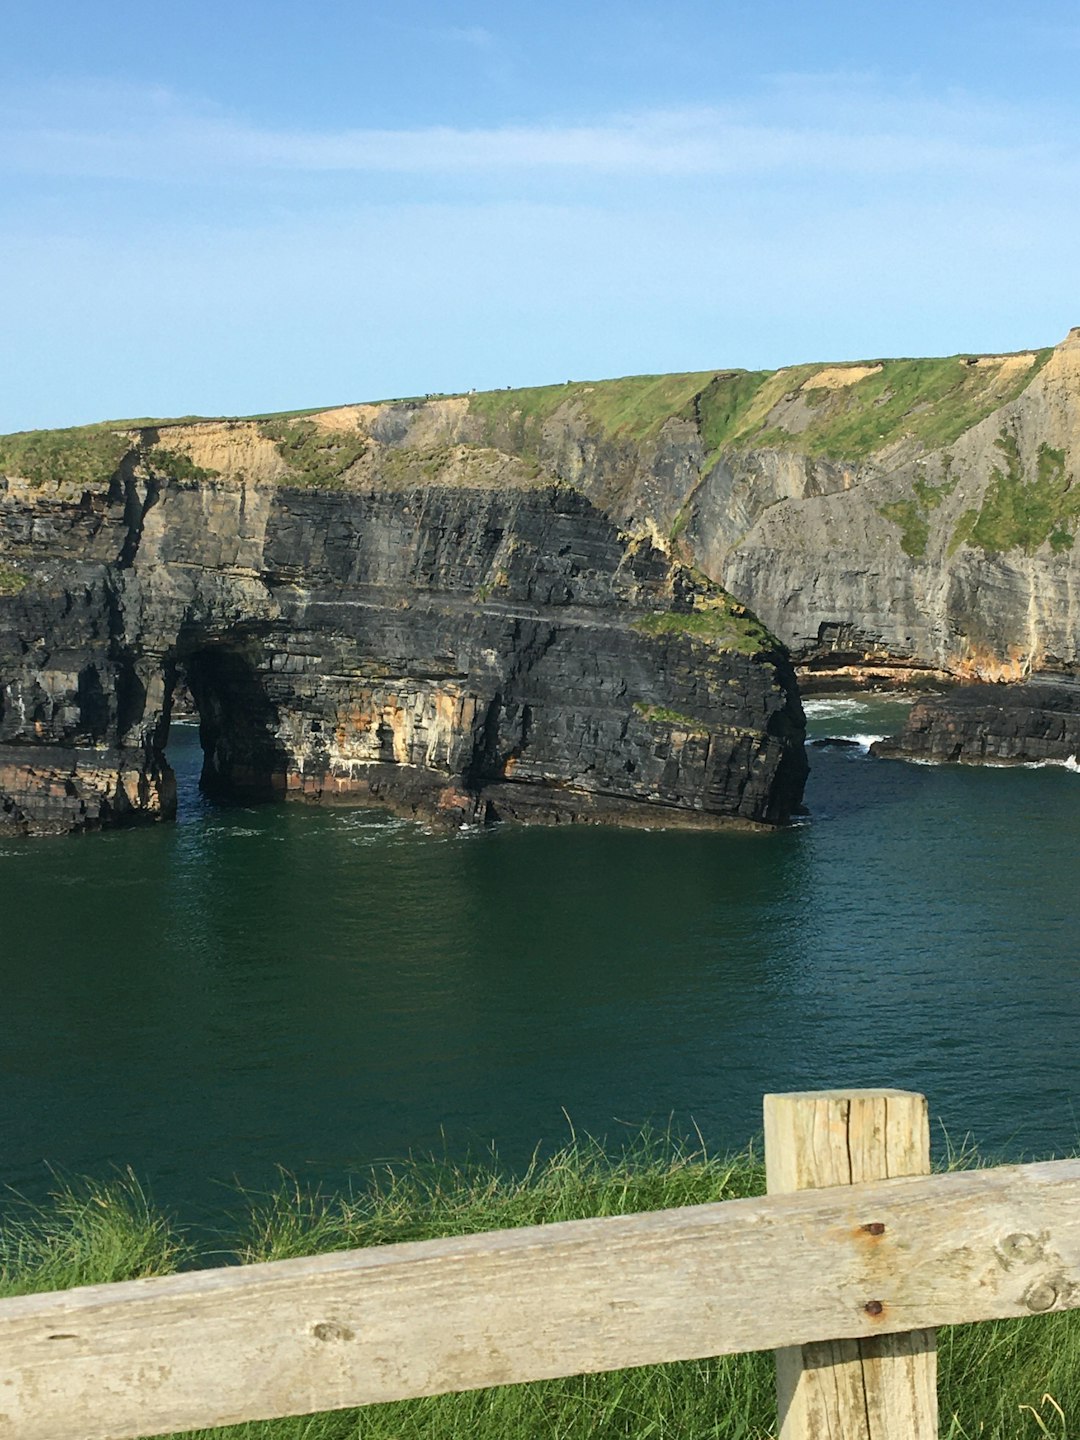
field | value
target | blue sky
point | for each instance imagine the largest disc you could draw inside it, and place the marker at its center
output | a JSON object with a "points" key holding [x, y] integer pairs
{"points": [[225, 208]]}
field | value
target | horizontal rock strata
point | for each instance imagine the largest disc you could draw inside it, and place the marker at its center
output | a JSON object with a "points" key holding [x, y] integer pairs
{"points": [[992, 724], [463, 652]]}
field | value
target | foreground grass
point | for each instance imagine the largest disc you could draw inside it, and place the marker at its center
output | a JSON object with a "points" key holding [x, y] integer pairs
{"points": [[1007, 1380]]}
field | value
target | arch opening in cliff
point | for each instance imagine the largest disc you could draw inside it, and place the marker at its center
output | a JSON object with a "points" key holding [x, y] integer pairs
{"points": [[243, 757]]}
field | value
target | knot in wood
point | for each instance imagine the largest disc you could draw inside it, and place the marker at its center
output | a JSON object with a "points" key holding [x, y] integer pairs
{"points": [[332, 1330], [1020, 1249], [1041, 1295]]}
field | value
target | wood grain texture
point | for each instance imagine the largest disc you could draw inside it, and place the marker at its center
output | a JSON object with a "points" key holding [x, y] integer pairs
{"points": [[211, 1347], [884, 1388]]}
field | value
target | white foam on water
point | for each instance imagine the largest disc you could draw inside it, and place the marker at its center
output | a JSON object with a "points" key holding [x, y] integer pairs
{"points": [[865, 741], [1071, 762], [378, 824], [862, 741], [831, 707], [376, 838]]}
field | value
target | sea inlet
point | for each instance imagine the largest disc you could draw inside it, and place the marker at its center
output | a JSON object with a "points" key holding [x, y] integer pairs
{"points": [[318, 989]]}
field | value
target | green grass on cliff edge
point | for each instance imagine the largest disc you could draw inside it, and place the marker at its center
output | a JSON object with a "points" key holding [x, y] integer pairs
{"points": [[87, 455], [1004, 1380], [716, 617], [633, 408], [931, 401], [718, 625]]}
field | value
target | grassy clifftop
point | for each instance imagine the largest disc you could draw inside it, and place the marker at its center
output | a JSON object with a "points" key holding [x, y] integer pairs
{"points": [[845, 413], [849, 412], [88, 455], [633, 408]]}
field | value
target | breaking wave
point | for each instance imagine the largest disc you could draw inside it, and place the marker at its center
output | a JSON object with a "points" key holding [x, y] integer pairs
{"points": [[834, 708]]}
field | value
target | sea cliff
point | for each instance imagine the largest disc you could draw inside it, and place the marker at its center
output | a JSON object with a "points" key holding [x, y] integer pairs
{"points": [[573, 602], [465, 649]]}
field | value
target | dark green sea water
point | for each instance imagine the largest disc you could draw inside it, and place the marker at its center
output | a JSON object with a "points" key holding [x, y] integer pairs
{"points": [[317, 989]]}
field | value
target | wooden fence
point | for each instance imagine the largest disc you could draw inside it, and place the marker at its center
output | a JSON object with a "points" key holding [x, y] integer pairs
{"points": [[846, 1283]]}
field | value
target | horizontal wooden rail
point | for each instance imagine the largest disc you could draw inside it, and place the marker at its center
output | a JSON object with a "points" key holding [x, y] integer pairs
{"points": [[211, 1347]]}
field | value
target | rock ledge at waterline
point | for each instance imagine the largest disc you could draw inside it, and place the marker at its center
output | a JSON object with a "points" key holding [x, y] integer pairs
{"points": [[992, 724]]}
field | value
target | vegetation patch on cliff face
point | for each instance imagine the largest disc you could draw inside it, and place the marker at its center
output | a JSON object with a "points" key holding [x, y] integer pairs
{"points": [[914, 527], [315, 457], [12, 582], [663, 716], [913, 515], [88, 455], [478, 467], [720, 621], [178, 466], [1024, 511], [930, 496]]}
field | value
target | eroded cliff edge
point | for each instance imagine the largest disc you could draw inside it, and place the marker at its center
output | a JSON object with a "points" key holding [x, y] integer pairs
{"points": [[485, 647]]}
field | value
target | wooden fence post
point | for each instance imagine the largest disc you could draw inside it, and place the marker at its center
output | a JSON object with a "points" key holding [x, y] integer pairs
{"points": [[884, 1387]]}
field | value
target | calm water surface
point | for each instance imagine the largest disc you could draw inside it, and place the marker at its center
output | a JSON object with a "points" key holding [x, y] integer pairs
{"points": [[317, 989]]}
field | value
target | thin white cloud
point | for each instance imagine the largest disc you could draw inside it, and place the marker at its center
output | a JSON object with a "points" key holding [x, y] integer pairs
{"points": [[810, 126], [477, 37]]}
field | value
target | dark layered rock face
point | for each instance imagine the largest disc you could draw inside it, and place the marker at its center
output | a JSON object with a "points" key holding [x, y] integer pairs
{"points": [[465, 653], [994, 724]]}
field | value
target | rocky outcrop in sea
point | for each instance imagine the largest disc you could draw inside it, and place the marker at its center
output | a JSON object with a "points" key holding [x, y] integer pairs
{"points": [[455, 652], [991, 724]]}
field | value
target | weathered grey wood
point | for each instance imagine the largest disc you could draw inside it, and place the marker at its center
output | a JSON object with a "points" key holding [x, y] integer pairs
{"points": [[884, 1388], [149, 1356]]}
